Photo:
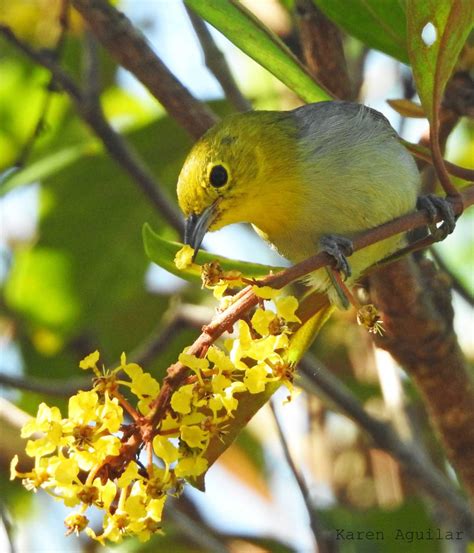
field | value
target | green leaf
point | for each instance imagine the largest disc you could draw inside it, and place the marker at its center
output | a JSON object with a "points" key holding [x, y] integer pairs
{"points": [[380, 24], [249, 34], [82, 284], [40, 287], [162, 252], [433, 63], [45, 166]]}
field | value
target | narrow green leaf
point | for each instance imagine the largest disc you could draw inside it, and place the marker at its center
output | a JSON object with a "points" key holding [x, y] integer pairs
{"points": [[448, 23], [45, 167], [162, 252], [249, 34], [380, 24]]}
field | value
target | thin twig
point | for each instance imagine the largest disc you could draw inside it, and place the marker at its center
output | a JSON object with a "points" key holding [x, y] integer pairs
{"points": [[133, 52], [417, 465], [183, 317], [196, 531], [8, 526], [316, 527], [115, 144], [91, 68], [217, 65], [46, 386], [423, 153]]}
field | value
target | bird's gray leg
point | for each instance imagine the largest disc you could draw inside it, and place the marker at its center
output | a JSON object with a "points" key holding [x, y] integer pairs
{"points": [[435, 206], [338, 247]]}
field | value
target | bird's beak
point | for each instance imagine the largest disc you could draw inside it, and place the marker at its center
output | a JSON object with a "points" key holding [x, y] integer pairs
{"points": [[196, 226]]}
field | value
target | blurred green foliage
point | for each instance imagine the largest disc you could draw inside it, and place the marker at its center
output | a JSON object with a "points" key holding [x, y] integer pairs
{"points": [[78, 284]]}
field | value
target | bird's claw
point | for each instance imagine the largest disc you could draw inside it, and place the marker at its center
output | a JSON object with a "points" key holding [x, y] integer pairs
{"points": [[338, 247], [435, 206]]}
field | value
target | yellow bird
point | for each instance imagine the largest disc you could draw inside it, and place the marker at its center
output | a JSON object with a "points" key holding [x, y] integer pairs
{"points": [[306, 179]]}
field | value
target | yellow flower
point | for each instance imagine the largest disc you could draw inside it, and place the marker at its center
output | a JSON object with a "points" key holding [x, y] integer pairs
{"points": [[143, 384], [165, 450], [106, 446], [37, 477], [13, 464], [90, 361], [181, 399], [196, 364], [81, 409], [256, 378], [63, 470], [107, 493], [265, 292], [224, 401], [190, 466], [110, 414], [368, 316], [135, 506], [129, 475], [144, 528], [44, 421], [115, 528], [155, 508], [194, 436], [220, 360], [75, 523], [286, 307], [219, 382], [184, 258], [244, 336], [219, 290], [261, 321], [47, 444]]}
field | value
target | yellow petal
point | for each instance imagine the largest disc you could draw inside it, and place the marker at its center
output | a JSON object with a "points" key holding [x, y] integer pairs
{"points": [[265, 292], [184, 258], [90, 361], [286, 307], [261, 321], [165, 450]]}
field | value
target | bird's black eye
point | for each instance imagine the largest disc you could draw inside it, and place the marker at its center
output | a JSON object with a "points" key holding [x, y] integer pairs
{"points": [[218, 176]]}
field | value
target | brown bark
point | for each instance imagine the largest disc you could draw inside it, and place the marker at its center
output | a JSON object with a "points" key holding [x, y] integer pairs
{"points": [[323, 50], [133, 52], [415, 303]]}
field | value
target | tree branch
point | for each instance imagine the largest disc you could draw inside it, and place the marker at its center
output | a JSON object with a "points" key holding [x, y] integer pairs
{"points": [[91, 112], [216, 63], [243, 302], [316, 379], [320, 535], [246, 299], [323, 50], [132, 51], [455, 282], [415, 304]]}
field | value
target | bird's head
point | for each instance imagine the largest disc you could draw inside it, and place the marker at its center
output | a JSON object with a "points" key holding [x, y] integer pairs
{"points": [[225, 175]]}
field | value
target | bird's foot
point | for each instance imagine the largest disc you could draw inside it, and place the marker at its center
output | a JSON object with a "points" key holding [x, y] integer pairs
{"points": [[338, 247], [435, 206]]}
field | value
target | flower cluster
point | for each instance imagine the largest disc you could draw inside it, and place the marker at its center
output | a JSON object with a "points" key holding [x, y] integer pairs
{"points": [[82, 459], [70, 452]]}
